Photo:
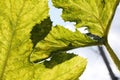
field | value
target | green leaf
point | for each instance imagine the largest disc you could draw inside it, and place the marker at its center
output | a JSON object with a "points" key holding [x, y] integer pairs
{"points": [[58, 40], [64, 66], [17, 19], [94, 14]]}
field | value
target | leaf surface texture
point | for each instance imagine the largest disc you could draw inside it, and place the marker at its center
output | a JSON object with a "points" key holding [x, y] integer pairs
{"points": [[18, 19]]}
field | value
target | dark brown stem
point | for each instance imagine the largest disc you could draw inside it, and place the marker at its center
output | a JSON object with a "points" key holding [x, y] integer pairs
{"points": [[112, 75]]}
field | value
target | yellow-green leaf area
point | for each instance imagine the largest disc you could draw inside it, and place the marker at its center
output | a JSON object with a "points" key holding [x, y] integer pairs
{"points": [[58, 40], [17, 17], [17, 21], [64, 66], [94, 14], [61, 67]]}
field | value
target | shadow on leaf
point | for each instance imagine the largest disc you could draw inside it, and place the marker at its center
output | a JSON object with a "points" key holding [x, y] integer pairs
{"points": [[40, 31], [58, 58]]}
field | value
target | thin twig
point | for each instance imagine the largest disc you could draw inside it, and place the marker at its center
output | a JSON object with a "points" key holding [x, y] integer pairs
{"points": [[112, 75]]}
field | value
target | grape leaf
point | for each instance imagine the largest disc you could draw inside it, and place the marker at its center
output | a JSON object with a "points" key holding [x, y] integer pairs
{"points": [[17, 19], [60, 39], [64, 66], [94, 14]]}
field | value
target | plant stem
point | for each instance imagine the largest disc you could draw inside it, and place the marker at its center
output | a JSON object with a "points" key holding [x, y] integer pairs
{"points": [[112, 75], [113, 55]]}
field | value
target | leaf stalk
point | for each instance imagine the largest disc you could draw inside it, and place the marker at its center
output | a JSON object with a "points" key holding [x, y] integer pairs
{"points": [[113, 55]]}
